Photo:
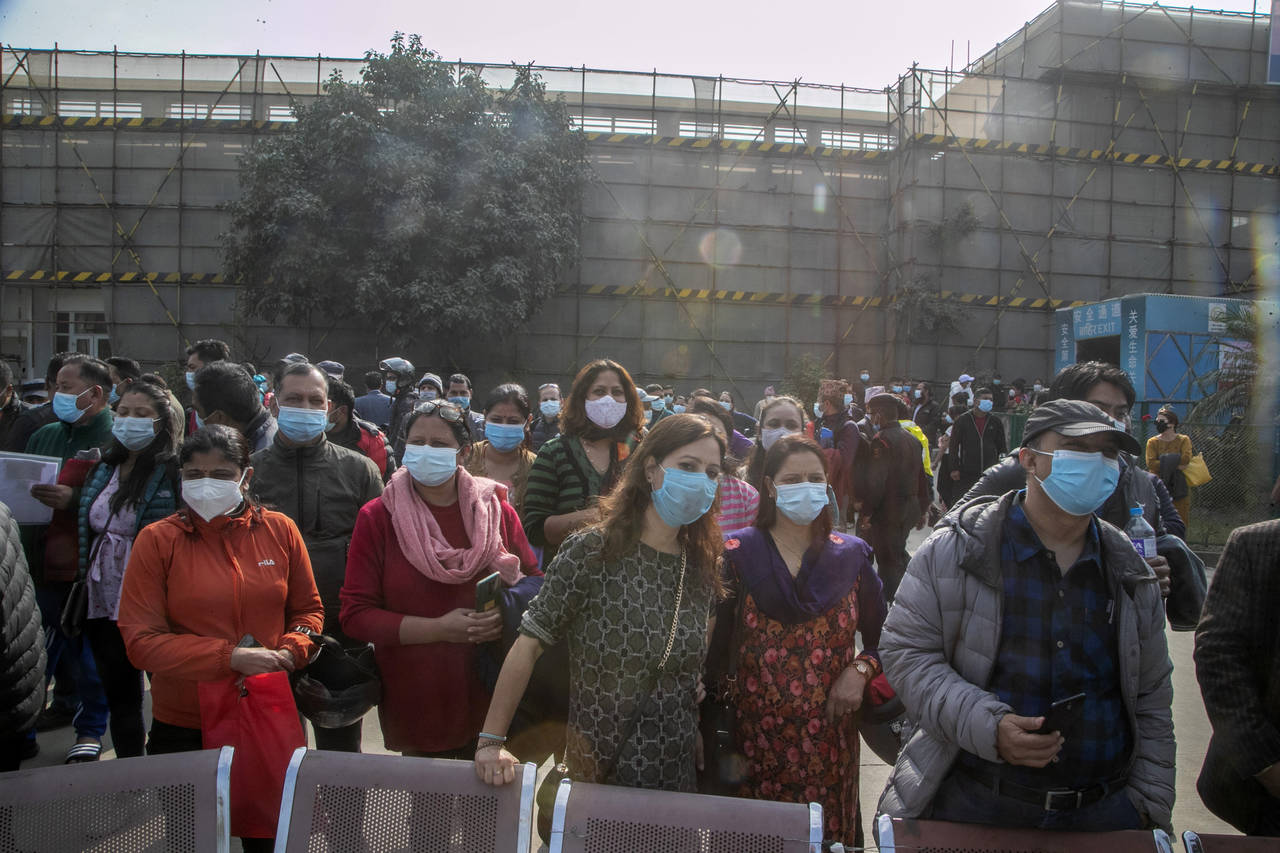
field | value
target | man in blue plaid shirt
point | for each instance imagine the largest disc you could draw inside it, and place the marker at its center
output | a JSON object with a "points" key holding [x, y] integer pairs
{"points": [[1018, 602]]}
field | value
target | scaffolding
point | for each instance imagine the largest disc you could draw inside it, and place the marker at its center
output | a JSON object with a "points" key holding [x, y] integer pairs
{"points": [[731, 226]]}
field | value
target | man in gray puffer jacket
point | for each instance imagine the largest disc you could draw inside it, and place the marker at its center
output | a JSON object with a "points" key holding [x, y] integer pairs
{"points": [[1016, 603], [22, 658]]}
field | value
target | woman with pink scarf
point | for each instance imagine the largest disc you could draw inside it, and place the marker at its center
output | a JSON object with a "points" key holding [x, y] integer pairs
{"points": [[416, 554]]}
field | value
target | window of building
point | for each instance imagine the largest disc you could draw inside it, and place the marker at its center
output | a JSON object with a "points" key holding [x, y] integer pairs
{"points": [[82, 331], [26, 106], [280, 112], [697, 129], [232, 112], [789, 136], [857, 139]]}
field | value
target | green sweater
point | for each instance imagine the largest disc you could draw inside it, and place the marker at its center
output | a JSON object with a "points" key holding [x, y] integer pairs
{"points": [[562, 480]]}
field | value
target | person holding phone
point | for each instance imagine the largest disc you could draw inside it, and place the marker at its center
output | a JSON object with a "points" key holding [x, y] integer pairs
{"points": [[416, 555], [632, 596], [1025, 608]]}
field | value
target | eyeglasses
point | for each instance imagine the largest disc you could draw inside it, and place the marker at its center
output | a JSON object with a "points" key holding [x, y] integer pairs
{"points": [[446, 410]]}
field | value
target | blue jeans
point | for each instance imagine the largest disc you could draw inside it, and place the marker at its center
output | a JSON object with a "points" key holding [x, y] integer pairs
{"points": [[963, 799], [91, 714]]}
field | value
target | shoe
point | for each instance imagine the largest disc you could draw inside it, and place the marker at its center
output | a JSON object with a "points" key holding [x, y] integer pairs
{"points": [[82, 753], [53, 717]]}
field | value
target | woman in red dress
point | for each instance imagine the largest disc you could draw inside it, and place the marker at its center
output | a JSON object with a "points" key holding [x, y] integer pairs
{"points": [[800, 677]]}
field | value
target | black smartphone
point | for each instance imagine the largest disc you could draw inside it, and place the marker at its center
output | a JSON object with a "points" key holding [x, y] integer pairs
{"points": [[1062, 714], [487, 593]]}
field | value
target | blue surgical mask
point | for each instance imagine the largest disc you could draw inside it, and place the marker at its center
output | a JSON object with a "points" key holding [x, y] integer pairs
{"points": [[802, 502], [678, 409], [848, 400], [1079, 482], [191, 379], [429, 394], [865, 377], [919, 393], [667, 399], [389, 386], [460, 402], [726, 404], [995, 382], [199, 420], [64, 406], [302, 425], [685, 496], [658, 405], [549, 408], [504, 437], [817, 410], [985, 405], [134, 433], [113, 397], [430, 466]]}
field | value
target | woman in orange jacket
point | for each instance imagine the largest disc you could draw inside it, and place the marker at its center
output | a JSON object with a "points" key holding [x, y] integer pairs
{"points": [[200, 580]]}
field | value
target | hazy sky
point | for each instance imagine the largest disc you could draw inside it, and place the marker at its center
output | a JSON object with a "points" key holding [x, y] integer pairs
{"points": [[856, 42]]}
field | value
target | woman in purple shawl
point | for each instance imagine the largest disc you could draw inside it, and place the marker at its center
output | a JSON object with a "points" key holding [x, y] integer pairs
{"points": [[799, 677]]}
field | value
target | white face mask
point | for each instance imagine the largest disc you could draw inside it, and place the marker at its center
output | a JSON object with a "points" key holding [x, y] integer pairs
{"points": [[605, 412], [210, 498], [769, 436]]}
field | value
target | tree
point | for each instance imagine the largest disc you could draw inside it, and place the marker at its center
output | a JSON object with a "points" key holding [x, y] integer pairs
{"points": [[417, 203]]}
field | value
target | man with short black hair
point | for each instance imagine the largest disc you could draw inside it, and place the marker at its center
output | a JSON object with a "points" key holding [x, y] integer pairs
{"points": [[977, 442], [37, 416], [321, 486], [657, 403], [459, 393], [373, 405], [124, 372], [203, 353], [1020, 603], [225, 394], [349, 430]]}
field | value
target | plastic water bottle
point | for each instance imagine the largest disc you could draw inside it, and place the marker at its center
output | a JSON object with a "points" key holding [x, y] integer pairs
{"points": [[1140, 533]]}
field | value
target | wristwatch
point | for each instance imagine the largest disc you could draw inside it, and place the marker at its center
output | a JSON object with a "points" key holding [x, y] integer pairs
{"points": [[865, 668]]}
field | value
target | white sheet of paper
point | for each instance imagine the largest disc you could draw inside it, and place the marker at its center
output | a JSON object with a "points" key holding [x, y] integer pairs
{"points": [[18, 473]]}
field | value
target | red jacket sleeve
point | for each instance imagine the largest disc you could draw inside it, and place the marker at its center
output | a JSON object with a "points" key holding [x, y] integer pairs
{"points": [[364, 615], [143, 619], [515, 541]]}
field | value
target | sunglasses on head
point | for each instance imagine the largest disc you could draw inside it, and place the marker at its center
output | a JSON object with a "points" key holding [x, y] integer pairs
{"points": [[446, 410]]}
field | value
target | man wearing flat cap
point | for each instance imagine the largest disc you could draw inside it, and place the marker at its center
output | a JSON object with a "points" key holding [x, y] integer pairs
{"points": [[1014, 604]]}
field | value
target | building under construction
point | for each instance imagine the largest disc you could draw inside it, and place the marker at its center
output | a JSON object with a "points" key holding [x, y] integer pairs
{"points": [[731, 226]]}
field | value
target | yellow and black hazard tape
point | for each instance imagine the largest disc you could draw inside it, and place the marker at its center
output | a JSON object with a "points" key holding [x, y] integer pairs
{"points": [[996, 146], [750, 297], [688, 143]]}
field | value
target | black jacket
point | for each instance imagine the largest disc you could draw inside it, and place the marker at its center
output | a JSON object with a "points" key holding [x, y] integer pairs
{"points": [[889, 478], [973, 452], [927, 417], [22, 656], [1237, 656]]}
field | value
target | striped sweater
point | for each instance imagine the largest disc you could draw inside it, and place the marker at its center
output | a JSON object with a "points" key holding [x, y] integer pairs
{"points": [[562, 480]]}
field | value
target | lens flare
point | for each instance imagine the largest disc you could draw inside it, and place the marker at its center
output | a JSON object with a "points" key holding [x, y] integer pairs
{"points": [[720, 248], [819, 198]]}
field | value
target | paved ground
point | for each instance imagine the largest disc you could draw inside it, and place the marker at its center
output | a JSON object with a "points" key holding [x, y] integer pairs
{"points": [[1190, 725]]}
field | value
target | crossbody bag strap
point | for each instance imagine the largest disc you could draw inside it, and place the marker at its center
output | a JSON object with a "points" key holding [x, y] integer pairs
{"points": [[729, 686], [651, 682]]}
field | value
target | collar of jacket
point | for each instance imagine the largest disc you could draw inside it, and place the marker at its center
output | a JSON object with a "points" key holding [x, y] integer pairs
{"points": [[290, 450], [192, 523], [980, 524]]}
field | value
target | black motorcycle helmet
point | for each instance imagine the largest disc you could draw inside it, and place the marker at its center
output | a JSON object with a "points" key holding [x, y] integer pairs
{"points": [[338, 686]]}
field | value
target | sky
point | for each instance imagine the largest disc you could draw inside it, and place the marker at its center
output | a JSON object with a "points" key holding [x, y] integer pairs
{"points": [[854, 42]]}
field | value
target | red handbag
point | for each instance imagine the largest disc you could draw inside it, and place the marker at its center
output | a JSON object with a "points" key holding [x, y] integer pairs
{"points": [[62, 536], [260, 720]]}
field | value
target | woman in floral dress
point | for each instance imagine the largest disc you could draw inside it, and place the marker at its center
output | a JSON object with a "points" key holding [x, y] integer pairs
{"points": [[800, 677]]}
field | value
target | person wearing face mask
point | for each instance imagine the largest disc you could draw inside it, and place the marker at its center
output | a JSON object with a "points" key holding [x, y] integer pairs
{"points": [[657, 404], [36, 415], [977, 442], [546, 421], [859, 386], [373, 405], [346, 429], [632, 597], [799, 596], [925, 413], [225, 394], [11, 407], [504, 455], [201, 579], [1015, 603], [135, 484], [600, 422], [200, 354], [769, 394], [321, 487], [738, 500], [1168, 454], [459, 393], [397, 381], [781, 416], [837, 433], [124, 372], [893, 490], [963, 385], [416, 555], [742, 422]]}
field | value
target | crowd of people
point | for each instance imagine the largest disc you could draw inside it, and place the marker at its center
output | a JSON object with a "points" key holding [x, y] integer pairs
{"points": [[672, 553]]}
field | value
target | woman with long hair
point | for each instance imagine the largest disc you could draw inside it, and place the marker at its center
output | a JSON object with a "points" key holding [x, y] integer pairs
{"points": [[799, 595], [504, 455], [135, 484], [1169, 452], [416, 555], [779, 416], [599, 424], [631, 595]]}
